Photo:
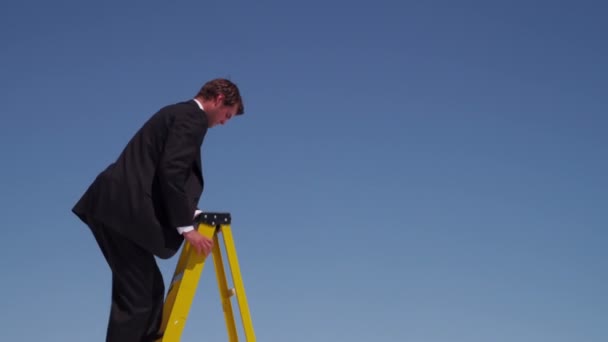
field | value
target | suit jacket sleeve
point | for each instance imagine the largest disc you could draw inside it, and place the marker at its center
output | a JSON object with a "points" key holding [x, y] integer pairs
{"points": [[183, 142]]}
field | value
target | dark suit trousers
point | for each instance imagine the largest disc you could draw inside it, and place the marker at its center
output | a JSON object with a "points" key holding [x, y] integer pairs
{"points": [[137, 288]]}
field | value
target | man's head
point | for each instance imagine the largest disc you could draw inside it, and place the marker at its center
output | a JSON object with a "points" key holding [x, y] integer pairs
{"points": [[221, 99]]}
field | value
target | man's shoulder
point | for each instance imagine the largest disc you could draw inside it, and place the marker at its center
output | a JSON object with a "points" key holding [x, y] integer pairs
{"points": [[185, 106], [187, 110]]}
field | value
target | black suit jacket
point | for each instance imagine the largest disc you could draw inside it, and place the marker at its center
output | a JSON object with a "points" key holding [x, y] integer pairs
{"points": [[155, 184]]}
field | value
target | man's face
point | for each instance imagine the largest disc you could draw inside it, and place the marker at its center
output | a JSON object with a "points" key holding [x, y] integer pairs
{"points": [[220, 113]]}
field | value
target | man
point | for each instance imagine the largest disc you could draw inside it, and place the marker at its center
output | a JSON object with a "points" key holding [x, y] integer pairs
{"points": [[144, 204]]}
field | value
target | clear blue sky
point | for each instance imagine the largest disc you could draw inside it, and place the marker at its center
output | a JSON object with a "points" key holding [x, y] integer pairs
{"points": [[404, 171]]}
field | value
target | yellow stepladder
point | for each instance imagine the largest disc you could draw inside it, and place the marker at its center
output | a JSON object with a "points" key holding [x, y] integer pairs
{"points": [[187, 274]]}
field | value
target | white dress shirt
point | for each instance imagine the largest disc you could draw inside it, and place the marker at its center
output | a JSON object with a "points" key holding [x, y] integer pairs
{"points": [[186, 229]]}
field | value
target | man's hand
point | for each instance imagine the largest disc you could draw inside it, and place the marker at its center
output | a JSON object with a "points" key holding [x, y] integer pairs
{"points": [[199, 242]]}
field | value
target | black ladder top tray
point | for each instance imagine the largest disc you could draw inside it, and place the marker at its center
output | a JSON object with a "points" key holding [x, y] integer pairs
{"points": [[213, 218]]}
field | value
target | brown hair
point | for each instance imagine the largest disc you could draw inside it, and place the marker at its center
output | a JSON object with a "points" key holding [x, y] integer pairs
{"points": [[231, 93]]}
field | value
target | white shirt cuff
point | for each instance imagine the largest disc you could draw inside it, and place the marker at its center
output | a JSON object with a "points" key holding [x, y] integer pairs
{"points": [[185, 229]]}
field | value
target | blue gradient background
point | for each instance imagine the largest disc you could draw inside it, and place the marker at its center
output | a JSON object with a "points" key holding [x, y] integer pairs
{"points": [[405, 171]]}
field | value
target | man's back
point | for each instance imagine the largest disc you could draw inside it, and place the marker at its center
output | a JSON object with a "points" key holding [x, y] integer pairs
{"points": [[146, 191]]}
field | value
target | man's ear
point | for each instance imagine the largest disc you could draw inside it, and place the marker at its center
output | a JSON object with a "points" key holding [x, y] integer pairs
{"points": [[220, 99]]}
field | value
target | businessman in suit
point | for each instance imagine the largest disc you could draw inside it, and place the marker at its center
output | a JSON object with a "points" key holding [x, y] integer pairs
{"points": [[144, 204]]}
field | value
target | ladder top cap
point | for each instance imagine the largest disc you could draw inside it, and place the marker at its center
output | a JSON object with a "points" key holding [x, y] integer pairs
{"points": [[213, 218]]}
